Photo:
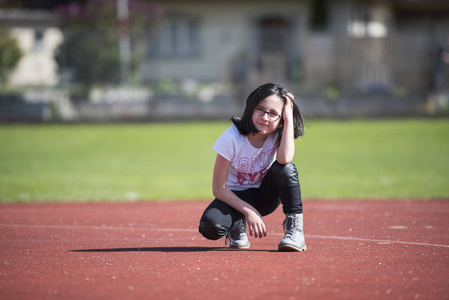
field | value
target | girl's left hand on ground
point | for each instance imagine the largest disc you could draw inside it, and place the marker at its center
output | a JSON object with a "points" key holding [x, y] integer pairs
{"points": [[256, 225]]}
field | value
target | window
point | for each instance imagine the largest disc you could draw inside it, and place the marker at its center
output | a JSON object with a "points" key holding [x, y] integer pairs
{"points": [[363, 24], [319, 19], [176, 36]]}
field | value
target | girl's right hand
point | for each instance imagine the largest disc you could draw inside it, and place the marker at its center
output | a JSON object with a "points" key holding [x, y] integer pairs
{"points": [[256, 225], [288, 107]]}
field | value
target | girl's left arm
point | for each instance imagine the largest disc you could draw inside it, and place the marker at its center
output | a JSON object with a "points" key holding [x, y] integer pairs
{"points": [[286, 150]]}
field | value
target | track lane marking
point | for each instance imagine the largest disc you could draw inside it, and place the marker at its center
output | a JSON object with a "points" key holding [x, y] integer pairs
{"points": [[195, 230]]}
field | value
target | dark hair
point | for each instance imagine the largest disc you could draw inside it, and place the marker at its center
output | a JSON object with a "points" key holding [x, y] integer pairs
{"points": [[245, 123]]}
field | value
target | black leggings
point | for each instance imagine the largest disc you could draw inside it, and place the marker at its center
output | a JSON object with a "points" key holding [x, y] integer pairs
{"points": [[280, 185]]}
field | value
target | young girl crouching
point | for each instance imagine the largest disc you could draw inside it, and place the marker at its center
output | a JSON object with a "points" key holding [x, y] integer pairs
{"points": [[254, 172]]}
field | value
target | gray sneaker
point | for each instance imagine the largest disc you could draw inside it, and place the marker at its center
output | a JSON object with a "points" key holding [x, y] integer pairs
{"points": [[237, 236], [294, 235]]}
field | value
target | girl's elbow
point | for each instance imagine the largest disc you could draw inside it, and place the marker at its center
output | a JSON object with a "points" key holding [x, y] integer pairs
{"points": [[284, 161], [214, 192], [285, 156], [217, 191]]}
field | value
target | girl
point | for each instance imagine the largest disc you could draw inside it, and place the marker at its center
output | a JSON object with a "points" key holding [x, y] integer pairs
{"points": [[248, 182]]}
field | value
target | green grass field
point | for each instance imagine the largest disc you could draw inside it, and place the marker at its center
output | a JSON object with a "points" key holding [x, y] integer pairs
{"points": [[336, 159]]}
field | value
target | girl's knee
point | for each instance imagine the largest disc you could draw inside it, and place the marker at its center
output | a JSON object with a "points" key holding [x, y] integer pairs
{"points": [[212, 231], [286, 174]]}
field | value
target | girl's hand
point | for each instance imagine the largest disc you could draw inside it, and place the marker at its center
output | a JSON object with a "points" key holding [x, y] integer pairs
{"points": [[286, 149], [288, 107], [255, 224]]}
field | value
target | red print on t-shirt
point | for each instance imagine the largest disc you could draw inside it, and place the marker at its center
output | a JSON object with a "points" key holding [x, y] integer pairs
{"points": [[262, 160]]}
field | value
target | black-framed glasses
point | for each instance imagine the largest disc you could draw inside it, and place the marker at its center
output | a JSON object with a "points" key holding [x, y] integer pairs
{"points": [[272, 116]]}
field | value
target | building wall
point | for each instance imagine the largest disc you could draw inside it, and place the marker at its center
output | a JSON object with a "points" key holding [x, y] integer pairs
{"points": [[353, 53], [226, 32], [418, 36], [393, 48]]}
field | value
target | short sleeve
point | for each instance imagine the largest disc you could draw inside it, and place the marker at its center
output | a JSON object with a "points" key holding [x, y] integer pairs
{"points": [[225, 144]]}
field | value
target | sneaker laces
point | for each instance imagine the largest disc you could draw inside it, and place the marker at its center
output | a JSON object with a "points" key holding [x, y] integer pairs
{"points": [[291, 226], [237, 232]]}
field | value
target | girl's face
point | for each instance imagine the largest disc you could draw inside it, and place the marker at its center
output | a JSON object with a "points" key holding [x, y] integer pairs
{"points": [[271, 109]]}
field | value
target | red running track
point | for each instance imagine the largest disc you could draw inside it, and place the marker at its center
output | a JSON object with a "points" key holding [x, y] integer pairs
{"points": [[152, 250]]}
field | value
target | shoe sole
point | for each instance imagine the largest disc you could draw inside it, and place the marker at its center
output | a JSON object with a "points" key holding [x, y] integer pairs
{"points": [[239, 247], [291, 248]]}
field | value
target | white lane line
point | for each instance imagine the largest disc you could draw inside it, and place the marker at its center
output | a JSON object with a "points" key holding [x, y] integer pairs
{"points": [[195, 230], [375, 240], [94, 227]]}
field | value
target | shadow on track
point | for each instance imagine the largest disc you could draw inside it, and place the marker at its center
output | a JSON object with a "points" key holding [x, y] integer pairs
{"points": [[152, 249], [165, 249]]}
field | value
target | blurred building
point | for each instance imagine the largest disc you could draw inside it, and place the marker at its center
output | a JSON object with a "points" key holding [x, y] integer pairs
{"points": [[316, 47], [349, 44]]}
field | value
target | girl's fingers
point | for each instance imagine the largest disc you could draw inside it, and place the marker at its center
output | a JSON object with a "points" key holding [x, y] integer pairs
{"points": [[257, 229], [260, 231]]}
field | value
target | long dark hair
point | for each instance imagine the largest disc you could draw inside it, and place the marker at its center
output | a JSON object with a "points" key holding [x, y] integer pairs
{"points": [[245, 123]]}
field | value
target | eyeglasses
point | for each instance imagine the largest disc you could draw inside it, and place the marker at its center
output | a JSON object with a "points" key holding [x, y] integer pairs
{"points": [[272, 116]]}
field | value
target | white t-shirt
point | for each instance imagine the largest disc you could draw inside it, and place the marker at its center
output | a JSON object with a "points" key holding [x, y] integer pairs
{"points": [[248, 164]]}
